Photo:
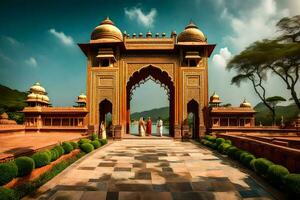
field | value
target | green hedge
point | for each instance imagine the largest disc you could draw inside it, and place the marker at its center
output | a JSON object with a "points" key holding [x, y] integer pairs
{"points": [[54, 154], [96, 144], [60, 150], [25, 165], [7, 194], [67, 147], [94, 137], [219, 141], [237, 154], [262, 165], [8, 171], [231, 151], [292, 183], [228, 141], [223, 147], [276, 173], [84, 140], [74, 144], [246, 159], [87, 147], [41, 159], [103, 141]]}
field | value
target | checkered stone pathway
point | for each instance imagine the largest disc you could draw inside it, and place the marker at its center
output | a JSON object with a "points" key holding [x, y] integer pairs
{"points": [[153, 169]]}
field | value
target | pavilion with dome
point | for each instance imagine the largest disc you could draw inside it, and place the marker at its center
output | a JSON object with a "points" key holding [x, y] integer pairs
{"points": [[40, 116], [223, 118]]}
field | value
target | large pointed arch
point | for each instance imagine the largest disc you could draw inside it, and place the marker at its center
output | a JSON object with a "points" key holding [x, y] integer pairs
{"points": [[160, 77]]}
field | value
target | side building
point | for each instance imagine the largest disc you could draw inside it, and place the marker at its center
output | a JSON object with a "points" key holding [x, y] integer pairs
{"points": [[40, 116], [229, 118]]}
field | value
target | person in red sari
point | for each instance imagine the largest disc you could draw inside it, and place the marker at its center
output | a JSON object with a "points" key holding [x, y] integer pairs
{"points": [[149, 127]]}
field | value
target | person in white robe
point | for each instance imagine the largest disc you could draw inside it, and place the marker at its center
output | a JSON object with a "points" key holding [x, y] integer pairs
{"points": [[103, 130], [142, 127], [159, 127]]}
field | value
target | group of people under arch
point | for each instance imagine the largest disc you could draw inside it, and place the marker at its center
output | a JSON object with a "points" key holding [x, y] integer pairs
{"points": [[145, 127]]}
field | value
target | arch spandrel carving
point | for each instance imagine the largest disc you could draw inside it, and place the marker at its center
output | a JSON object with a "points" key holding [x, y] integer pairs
{"points": [[134, 67]]}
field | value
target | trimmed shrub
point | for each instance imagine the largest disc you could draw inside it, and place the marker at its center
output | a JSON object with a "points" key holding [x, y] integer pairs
{"points": [[231, 151], [25, 165], [219, 141], [67, 147], [8, 171], [54, 154], [94, 137], [228, 141], [103, 141], [237, 154], [211, 138], [96, 144], [41, 159], [74, 144], [48, 153], [222, 147], [60, 150], [7, 194], [252, 164], [84, 140], [246, 159], [276, 173], [262, 165], [87, 147], [292, 183]]}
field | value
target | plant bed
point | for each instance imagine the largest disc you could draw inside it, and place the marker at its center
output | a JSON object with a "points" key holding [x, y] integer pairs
{"points": [[39, 171]]}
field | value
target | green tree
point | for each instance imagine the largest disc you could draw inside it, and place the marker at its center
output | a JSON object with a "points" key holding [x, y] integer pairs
{"points": [[274, 101], [248, 64], [281, 56]]}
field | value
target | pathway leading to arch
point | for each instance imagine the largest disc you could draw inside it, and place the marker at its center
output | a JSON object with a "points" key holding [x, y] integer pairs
{"points": [[153, 169]]}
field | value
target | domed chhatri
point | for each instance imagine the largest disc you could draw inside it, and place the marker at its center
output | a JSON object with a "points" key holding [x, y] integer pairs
{"points": [[37, 96], [81, 100], [215, 98], [37, 88], [106, 32], [245, 104], [191, 34]]}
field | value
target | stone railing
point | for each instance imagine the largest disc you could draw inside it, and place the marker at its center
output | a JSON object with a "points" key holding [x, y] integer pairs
{"points": [[11, 128], [279, 154]]}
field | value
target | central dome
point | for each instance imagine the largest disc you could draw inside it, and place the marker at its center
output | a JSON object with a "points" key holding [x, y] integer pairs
{"points": [[106, 32], [191, 34]]}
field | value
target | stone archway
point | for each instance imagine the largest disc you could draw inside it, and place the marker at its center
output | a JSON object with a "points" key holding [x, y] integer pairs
{"points": [[193, 108], [159, 76]]}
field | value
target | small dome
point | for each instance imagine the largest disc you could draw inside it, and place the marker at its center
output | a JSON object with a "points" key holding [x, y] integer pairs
{"points": [[245, 104], [37, 88], [31, 96], [215, 98], [106, 32], [82, 96], [4, 116], [191, 34], [45, 98]]}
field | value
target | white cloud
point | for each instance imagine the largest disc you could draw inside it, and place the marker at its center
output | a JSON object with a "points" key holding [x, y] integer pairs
{"points": [[11, 40], [65, 39], [253, 24], [221, 59], [144, 19], [31, 62]]}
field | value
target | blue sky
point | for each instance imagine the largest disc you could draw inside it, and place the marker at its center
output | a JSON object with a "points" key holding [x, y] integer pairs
{"points": [[38, 40]]}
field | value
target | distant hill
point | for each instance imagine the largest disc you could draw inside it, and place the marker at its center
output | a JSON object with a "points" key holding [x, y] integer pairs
{"points": [[154, 114], [12, 101], [264, 116]]}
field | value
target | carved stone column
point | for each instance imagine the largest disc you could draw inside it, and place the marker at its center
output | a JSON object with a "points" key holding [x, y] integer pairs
{"points": [[177, 132], [117, 132], [185, 132]]}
